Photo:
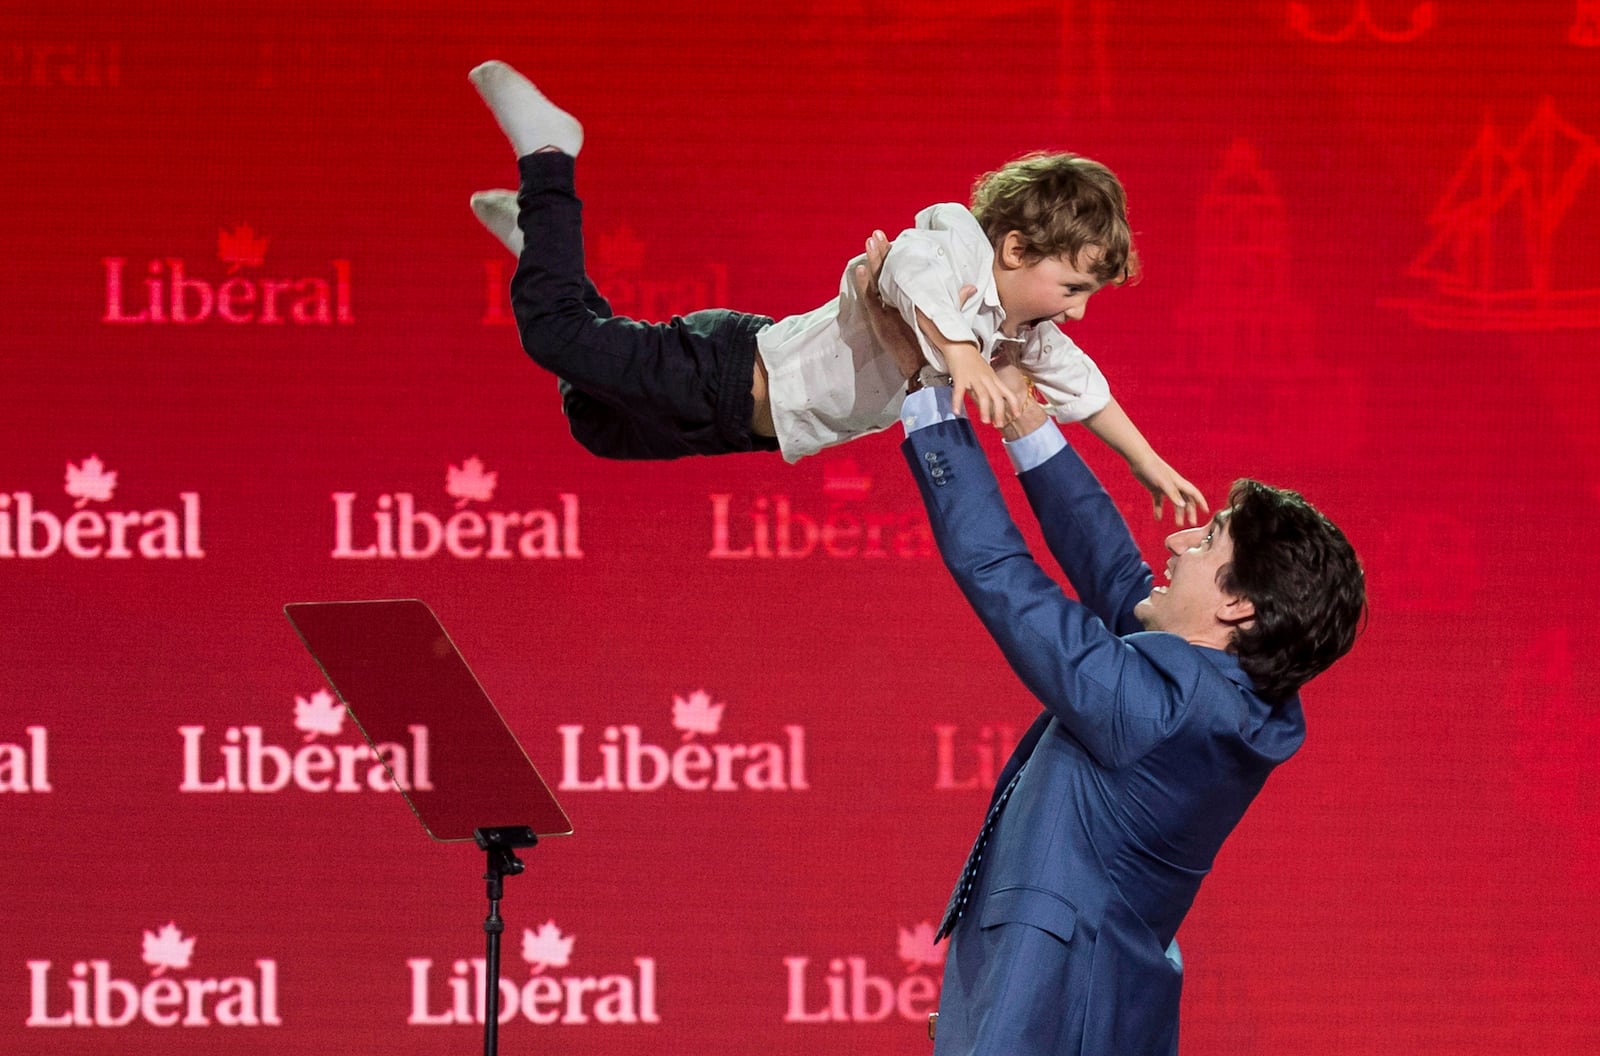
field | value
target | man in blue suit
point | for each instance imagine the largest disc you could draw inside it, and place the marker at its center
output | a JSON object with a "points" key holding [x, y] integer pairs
{"points": [[1166, 707]]}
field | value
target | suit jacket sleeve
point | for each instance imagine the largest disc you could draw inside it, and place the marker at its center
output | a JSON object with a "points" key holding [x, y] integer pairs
{"points": [[1106, 693], [1088, 538]]}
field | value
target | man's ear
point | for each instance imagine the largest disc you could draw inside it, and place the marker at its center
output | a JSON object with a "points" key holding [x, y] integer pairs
{"points": [[1012, 251], [1236, 610]]}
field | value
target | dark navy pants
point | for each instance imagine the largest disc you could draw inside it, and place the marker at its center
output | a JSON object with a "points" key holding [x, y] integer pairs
{"points": [[629, 389]]}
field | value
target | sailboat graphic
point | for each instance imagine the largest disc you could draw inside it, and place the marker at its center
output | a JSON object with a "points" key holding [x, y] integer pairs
{"points": [[1494, 263]]}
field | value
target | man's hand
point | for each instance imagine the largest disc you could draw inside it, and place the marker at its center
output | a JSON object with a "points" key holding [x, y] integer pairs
{"points": [[892, 333], [1032, 414], [889, 329]]}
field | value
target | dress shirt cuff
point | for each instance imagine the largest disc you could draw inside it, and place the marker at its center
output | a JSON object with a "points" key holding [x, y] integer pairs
{"points": [[926, 407], [1036, 448]]}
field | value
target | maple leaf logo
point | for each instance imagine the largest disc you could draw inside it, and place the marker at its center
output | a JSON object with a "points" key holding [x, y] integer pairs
{"points": [[842, 479], [241, 248], [468, 481], [546, 948], [696, 714], [167, 948], [919, 948], [318, 714], [89, 480]]}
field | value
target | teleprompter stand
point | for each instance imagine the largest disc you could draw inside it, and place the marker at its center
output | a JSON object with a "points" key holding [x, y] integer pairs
{"points": [[442, 741], [501, 846]]}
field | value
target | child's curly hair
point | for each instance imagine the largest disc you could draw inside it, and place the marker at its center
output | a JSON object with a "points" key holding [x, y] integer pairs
{"points": [[1061, 204]]}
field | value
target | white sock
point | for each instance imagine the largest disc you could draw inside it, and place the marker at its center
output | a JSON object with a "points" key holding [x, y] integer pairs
{"points": [[497, 210], [527, 118]]}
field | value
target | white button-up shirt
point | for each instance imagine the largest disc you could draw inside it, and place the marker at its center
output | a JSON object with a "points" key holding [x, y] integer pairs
{"points": [[829, 382]]}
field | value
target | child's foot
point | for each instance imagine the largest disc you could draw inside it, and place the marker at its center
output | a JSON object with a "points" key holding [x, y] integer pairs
{"points": [[528, 119], [497, 210]]}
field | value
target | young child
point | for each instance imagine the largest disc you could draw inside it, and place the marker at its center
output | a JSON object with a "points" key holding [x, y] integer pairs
{"points": [[1044, 233]]}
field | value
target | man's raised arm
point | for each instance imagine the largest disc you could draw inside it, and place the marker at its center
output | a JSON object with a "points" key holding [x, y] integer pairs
{"points": [[1086, 534], [1102, 689]]}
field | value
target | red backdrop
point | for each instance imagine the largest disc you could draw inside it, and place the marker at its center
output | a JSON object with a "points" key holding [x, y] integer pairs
{"points": [[248, 319]]}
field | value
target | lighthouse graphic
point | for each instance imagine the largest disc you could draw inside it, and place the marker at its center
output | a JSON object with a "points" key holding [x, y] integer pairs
{"points": [[1264, 337], [1242, 218], [1505, 255]]}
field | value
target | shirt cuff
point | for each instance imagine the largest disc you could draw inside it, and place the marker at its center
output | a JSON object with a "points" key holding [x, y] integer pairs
{"points": [[925, 407], [1036, 448]]}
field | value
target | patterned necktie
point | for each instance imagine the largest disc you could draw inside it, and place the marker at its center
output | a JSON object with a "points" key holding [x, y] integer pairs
{"points": [[969, 873]]}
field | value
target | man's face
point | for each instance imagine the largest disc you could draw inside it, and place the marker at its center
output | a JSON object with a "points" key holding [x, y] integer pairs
{"points": [[1191, 604]]}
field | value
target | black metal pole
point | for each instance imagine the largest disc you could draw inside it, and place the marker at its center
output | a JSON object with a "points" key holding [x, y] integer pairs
{"points": [[500, 845], [493, 926]]}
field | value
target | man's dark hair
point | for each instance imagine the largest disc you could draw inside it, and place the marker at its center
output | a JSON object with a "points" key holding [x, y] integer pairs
{"points": [[1305, 582]]}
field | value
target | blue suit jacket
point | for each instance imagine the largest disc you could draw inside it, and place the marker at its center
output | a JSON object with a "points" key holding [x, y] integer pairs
{"points": [[1145, 758]]}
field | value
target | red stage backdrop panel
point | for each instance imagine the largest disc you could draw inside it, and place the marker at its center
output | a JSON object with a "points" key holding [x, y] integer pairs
{"points": [[255, 349]]}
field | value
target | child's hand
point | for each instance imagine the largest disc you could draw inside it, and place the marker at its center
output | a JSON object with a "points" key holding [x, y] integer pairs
{"points": [[1165, 485], [970, 373]]}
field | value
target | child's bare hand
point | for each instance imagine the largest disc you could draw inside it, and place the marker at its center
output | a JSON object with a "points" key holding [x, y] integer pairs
{"points": [[1165, 485], [971, 374]]}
